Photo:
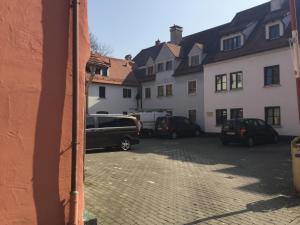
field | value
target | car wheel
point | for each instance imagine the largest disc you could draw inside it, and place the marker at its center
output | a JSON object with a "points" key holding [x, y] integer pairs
{"points": [[250, 142], [125, 144], [174, 135], [275, 139], [197, 133]]}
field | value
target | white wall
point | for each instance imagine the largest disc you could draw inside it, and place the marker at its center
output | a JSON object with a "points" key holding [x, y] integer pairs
{"points": [[114, 101], [254, 97], [180, 102]]}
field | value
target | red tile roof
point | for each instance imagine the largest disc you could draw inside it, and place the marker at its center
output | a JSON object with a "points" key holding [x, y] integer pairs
{"points": [[120, 71]]}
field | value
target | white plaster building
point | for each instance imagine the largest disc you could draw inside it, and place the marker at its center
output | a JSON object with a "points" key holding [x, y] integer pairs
{"points": [[242, 69], [114, 89]]}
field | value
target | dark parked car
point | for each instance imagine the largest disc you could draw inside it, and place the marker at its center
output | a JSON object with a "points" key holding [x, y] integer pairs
{"points": [[175, 126], [248, 131], [103, 131]]}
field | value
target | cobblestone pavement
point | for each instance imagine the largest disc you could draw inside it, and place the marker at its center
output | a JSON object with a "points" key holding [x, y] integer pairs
{"points": [[192, 181]]}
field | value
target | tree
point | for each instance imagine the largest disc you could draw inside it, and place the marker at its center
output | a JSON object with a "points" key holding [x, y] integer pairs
{"points": [[99, 48]]}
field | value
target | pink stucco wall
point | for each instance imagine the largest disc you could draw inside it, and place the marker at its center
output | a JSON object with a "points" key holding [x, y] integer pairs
{"points": [[35, 110]]}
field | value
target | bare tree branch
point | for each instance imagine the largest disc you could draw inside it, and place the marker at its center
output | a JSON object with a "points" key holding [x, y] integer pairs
{"points": [[99, 48]]}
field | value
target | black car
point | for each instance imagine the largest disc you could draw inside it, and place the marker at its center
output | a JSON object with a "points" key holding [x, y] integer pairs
{"points": [[174, 126], [248, 131], [103, 131]]}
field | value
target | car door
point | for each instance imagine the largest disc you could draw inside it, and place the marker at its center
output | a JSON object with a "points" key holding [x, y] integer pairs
{"points": [[265, 131], [91, 133], [105, 131], [190, 127]]}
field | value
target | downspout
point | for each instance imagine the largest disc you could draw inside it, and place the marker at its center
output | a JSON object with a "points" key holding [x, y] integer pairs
{"points": [[74, 191], [295, 49]]}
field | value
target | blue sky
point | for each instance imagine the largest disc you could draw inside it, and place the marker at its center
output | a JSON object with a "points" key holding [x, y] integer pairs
{"points": [[131, 25]]}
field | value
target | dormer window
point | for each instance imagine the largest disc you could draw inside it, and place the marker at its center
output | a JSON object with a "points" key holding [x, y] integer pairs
{"points": [[195, 60], [104, 71], [169, 65], [150, 70], [274, 30], [160, 67], [231, 43]]}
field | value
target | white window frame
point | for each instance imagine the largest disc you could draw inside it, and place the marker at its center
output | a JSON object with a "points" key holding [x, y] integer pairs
{"points": [[191, 60], [267, 29], [165, 91], [232, 36], [187, 85]]}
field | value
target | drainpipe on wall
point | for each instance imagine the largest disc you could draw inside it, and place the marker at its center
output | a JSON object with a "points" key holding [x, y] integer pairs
{"points": [[74, 191], [295, 49]]}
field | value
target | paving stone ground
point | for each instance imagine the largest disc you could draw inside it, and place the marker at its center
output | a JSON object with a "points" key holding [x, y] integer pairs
{"points": [[192, 181]]}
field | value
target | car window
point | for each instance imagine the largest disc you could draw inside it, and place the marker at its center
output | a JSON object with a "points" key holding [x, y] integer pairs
{"points": [[124, 122], [107, 122], [260, 123], [250, 123], [90, 123], [187, 122]]}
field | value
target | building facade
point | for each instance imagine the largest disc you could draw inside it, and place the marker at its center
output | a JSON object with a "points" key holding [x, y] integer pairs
{"points": [[239, 69], [114, 88]]}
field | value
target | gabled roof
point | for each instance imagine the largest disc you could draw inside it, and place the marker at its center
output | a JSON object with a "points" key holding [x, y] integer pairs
{"points": [[251, 21], [175, 49], [120, 71], [142, 58]]}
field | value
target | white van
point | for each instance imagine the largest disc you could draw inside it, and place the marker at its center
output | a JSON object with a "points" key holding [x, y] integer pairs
{"points": [[148, 120]]}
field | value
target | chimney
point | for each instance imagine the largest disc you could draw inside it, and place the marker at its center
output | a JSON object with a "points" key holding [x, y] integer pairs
{"points": [[176, 34], [157, 43], [276, 4], [128, 57]]}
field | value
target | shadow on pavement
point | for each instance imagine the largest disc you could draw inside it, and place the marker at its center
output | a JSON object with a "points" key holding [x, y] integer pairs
{"points": [[270, 164], [260, 206]]}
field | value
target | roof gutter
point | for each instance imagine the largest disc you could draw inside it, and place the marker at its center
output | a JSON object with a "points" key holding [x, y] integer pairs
{"points": [[75, 60], [295, 49]]}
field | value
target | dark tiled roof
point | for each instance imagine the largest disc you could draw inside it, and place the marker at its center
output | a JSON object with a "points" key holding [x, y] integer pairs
{"points": [[142, 58], [254, 43]]}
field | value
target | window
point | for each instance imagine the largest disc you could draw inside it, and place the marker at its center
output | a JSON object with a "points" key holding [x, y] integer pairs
{"points": [[195, 60], [150, 70], [124, 122], [169, 65], [126, 93], [221, 82], [107, 121], [236, 113], [272, 76], [272, 116], [90, 123], [274, 31], [169, 90], [160, 67], [232, 43], [236, 80], [102, 92], [104, 71], [147, 92], [192, 115], [192, 87], [160, 91], [221, 116]]}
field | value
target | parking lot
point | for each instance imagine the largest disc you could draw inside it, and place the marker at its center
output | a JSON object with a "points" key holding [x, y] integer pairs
{"points": [[192, 181]]}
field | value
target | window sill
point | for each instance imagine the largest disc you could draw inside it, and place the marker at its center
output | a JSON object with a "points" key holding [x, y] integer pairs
{"points": [[237, 89], [272, 85], [225, 91], [192, 94]]}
